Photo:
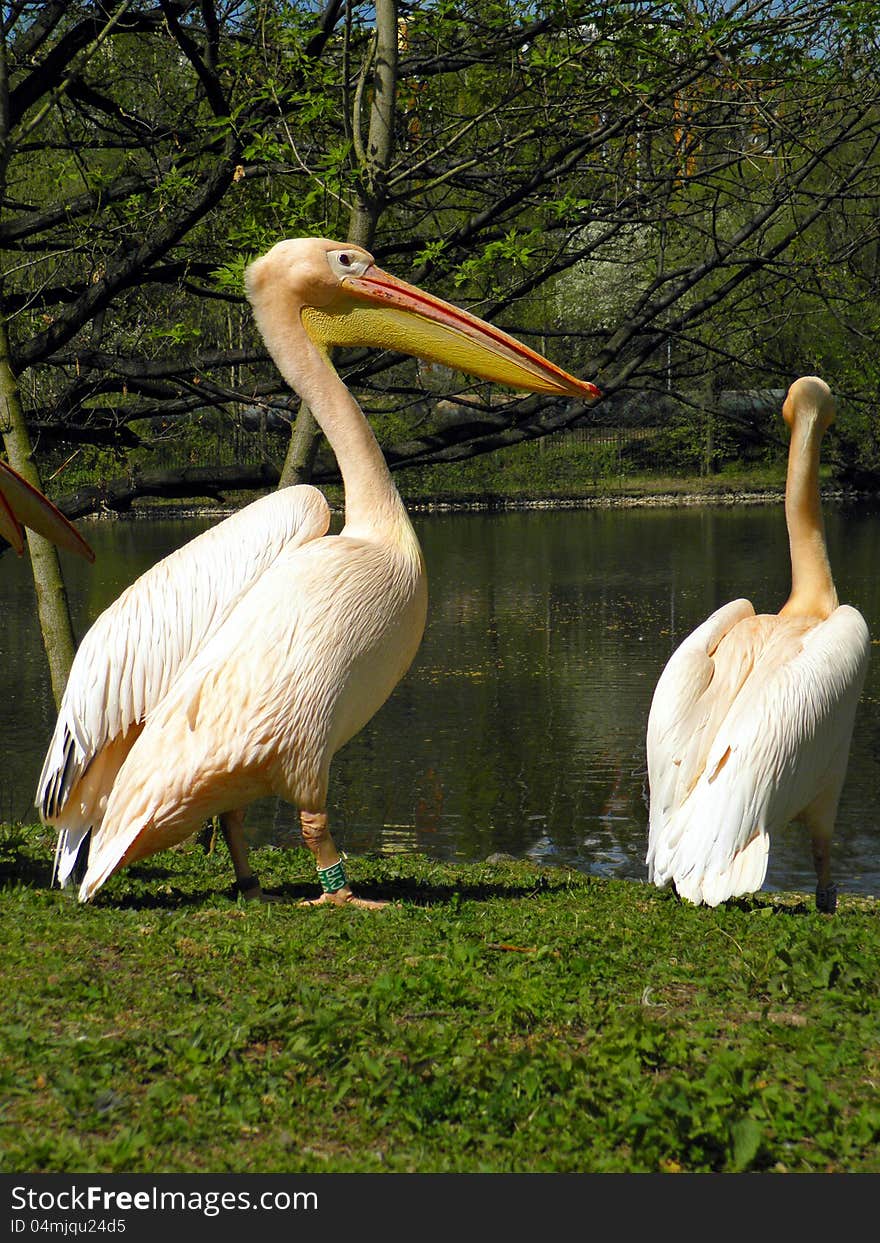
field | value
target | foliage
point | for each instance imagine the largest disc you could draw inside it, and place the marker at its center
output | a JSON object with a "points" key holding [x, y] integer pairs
{"points": [[497, 1017], [679, 200]]}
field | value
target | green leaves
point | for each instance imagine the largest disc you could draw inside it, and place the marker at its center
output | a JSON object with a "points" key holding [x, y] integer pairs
{"points": [[492, 269], [174, 334]]}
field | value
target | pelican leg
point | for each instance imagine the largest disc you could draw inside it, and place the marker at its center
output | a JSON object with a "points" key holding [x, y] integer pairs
{"points": [[819, 819], [316, 835], [247, 883], [826, 891]]}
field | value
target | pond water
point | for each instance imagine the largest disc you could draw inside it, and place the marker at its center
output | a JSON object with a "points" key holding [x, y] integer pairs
{"points": [[521, 725]]}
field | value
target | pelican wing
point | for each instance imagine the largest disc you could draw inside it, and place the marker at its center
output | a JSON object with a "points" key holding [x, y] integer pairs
{"points": [[775, 745], [688, 703], [137, 648], [300, 664]]}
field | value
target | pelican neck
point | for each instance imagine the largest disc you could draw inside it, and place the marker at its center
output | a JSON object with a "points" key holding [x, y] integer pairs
{"points": [[812, 587]]}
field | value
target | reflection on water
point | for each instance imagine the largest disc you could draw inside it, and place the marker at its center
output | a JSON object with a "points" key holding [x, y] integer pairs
{"points": [[520, 727]]}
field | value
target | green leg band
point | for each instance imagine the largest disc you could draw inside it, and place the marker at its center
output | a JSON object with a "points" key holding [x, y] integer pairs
{"points": [[332, 878]]}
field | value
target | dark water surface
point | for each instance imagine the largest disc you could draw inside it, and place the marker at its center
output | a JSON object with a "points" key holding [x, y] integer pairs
{"points": [[521, 724]]}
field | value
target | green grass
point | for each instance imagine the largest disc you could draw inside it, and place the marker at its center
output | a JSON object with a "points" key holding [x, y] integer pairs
{"points": [[526, 475], [496, 1017], [594, 467]]}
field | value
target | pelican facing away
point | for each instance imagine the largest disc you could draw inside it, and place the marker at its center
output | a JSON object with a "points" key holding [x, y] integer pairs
{"points": [[239, 665], [751, 721], [21, 505]]}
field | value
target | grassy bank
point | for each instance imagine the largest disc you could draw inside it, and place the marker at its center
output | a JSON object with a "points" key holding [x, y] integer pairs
{"points": [[562, 467], [423, 490], [497, 1017]]}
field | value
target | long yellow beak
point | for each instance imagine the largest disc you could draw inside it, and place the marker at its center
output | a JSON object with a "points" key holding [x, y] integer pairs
{"points": [[23, 506], [381, 311]]}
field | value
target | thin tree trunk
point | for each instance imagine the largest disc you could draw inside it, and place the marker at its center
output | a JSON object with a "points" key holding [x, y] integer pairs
{"points": [[52, 606], [375, 159], [299, 461]]}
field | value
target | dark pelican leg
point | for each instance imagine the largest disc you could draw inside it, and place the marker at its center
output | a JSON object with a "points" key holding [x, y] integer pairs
{"points": [[331, 870], [232, 828], [819, 820], [826, 891]]}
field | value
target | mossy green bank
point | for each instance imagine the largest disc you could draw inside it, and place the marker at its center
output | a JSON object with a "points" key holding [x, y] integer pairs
{"points": [[495, 1017]]}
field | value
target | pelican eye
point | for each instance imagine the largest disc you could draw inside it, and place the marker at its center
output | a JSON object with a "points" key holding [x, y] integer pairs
{"points": [[345, 263]]}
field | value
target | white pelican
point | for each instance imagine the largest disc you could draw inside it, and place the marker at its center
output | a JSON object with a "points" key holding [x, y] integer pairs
{"points": [[752, 717], [239, 665], [21, 505]]}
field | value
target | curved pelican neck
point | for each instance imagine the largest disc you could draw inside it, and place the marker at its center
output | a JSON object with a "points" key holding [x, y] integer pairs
{"points": [[372, 501], [812, 588]]}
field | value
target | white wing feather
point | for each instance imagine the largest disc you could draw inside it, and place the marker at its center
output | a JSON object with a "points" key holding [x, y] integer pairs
{"points": [[686, 698], [775, 745], [137, 648]]}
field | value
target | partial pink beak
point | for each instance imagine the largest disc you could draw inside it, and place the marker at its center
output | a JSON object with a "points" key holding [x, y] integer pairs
{"points": [[23, 506]]}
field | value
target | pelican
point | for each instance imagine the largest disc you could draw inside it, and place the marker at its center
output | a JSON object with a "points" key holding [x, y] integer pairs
{"points": [[239, 665], [751, 720], [21, 505]]}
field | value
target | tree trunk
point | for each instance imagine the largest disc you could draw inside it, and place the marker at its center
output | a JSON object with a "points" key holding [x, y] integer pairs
{"points": [[710, 462], [52, 607], [375, 159], [299, 461], [52, 604]]}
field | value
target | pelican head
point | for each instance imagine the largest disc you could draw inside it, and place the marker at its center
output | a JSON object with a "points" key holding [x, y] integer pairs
{"points": [[346, 300], [809, 394]]}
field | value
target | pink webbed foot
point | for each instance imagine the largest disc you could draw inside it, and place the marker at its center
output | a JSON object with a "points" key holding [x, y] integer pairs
{"points": [[343, 897], [331, 869]]}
